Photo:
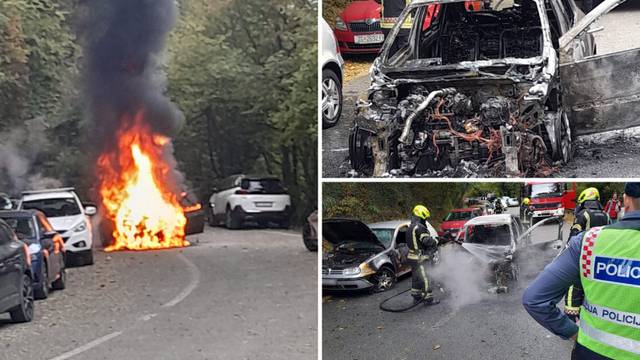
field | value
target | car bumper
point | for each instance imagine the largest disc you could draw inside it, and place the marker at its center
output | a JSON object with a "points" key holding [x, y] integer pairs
{"points": [[346, 283], [548, 213], [265, 215], [347, 45], [78, 241]]}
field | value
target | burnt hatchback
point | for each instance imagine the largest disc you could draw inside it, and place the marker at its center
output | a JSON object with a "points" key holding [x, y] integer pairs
{"points": [[498, 91]]}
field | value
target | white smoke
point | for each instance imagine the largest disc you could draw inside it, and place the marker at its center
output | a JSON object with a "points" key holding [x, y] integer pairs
{"points": [[462, 277], [19, 149]]}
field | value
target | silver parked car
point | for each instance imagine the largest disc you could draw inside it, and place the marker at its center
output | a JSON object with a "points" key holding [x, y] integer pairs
{"points": [[358, 256]]}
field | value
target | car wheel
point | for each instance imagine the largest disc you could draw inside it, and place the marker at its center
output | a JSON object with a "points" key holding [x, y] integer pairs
{"points": [[309, 243], [212, 219], [61, 282], [384, 279], [24, 311], [231, 220], [42, 292], [331, 98]]}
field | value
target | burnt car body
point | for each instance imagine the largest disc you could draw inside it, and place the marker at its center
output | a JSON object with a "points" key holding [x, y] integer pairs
{"points": [[500, 91], [357, 256], [194, 212], [496, 242]]}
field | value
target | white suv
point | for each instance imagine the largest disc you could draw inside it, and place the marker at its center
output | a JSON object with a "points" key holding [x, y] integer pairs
{"points": [[241, 198], [332, 70], [69, 218]]}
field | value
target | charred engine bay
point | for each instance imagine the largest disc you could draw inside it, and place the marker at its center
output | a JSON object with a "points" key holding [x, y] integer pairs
{"points": [[472, 97], [486, 129]]}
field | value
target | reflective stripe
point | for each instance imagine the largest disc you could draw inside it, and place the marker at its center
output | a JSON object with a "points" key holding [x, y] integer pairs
{"points": [[570, 298], [588, 217], [612, 315], [415, 241], [612, 340], [424, 279]]}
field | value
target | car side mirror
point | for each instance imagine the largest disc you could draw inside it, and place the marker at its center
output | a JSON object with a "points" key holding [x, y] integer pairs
{"points": [[215, 189], [47, 243], [90, 210], [595, 29]]}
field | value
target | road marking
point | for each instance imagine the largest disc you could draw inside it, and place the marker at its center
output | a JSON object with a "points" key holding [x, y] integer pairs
{"points": [[282, 233], [339, 150], [195, 279], [87, 346]]}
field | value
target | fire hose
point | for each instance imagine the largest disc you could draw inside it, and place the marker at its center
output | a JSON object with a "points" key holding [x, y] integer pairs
{"points": [[383, 306]]}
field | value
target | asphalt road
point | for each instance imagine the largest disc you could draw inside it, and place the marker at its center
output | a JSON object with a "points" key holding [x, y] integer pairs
{"points": [[617, 156], [245, 294], [467, 324]]}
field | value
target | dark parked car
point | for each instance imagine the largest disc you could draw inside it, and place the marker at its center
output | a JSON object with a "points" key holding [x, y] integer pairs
{"points": [[358, 256], [46, 248], [194, 213], [16, 278], [505, 88]]}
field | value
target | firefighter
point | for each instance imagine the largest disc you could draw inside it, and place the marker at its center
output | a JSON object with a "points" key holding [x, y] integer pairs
{"points": [[588, 214], [422, 246], [391, 10], [606, 262], [524, 208]]}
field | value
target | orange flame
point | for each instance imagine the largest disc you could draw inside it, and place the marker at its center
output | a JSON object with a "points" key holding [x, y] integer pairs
{"points": [[146, 214]]}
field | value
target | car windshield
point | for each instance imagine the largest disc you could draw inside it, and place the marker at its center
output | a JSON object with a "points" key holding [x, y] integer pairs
{"points": [[488, 234], [384, 235], [545, 190], [23, 227], [460, 32], [459, 215], [262, 186], [54, 207]]}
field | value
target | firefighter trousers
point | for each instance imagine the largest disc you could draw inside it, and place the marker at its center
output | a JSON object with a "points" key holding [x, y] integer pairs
{"points": [[419, 281]]}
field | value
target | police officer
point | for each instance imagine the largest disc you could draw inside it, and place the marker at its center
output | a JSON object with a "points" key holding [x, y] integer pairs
{"points": [[589, 213], [422, 246], [606, 262]]}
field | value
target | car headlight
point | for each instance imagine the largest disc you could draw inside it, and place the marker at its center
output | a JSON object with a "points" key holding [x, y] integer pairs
{"points": [[34, 249], [351, 271], [340, 25], [80, 228]]}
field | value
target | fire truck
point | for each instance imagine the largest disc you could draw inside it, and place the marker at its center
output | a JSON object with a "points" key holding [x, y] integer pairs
{"points": [[550, 199]]}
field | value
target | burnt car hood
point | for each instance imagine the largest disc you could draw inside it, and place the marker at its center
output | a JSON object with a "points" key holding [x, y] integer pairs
{"points": [[338, 231], [338, 260]]}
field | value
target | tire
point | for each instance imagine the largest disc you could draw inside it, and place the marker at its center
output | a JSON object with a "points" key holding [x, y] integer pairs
{"points": [[232, 220], [24, 311], [42, 292], [61, 282], [331, 102], [310, 244], [384, 279], [212, 219]]}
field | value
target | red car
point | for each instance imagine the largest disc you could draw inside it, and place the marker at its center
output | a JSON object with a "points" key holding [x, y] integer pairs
{"points": [[455, 220], [358, 28]]}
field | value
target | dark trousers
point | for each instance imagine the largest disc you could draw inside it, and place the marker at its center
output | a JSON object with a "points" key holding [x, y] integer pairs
{"points": [[419, 281], [582, 353]]}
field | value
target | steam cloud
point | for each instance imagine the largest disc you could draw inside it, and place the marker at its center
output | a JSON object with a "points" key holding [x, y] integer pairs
{"points": [[123, 43], [462, 278]]}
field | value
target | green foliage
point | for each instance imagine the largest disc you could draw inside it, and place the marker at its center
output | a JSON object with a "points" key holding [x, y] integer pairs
{"points": [[332, 8]]}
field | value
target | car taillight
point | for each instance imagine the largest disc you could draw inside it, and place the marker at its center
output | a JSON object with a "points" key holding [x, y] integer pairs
{"points": [[241, 192], [27, 255]]}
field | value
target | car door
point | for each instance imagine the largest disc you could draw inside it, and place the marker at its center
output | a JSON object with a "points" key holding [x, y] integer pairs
{"points": [[600, 91], [10, 262], [402, 249]]}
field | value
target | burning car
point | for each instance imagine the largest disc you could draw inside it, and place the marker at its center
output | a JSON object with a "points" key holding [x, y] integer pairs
{"points": [[357, 256], [500, 90], [194, 213]]}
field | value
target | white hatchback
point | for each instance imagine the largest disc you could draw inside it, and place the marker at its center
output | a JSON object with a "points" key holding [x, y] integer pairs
{"points": [[242, 198], [69, 218]]}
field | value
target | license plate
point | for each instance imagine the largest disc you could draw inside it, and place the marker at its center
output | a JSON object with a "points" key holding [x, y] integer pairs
{"points": [[264, 204], [368, 39], [329, 282]]}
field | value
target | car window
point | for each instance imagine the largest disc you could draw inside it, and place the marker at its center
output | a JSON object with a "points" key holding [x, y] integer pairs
{"points": [[262, 186], [54, 207], [488, 235], [459, 215], [23, 227], [384, 235]]}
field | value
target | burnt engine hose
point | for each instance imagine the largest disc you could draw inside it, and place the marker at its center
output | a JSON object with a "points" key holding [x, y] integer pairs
{"points": [[432, 95], [383, 307]]}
